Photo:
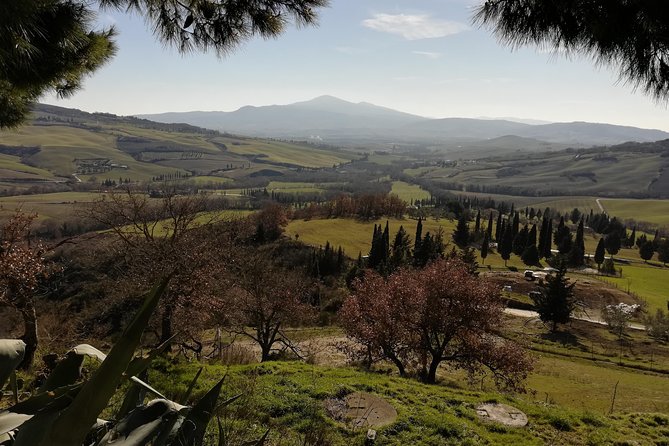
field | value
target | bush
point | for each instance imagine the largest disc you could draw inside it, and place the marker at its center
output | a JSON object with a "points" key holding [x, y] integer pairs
{"points": [[658, 325]]}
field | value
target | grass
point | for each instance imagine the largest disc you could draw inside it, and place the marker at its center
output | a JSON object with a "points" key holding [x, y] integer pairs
{"points": [[57, 205], [649, 282], [288, 397], [286, 153], [651, 211], [294, 187], [355, 236], [409, 192]]}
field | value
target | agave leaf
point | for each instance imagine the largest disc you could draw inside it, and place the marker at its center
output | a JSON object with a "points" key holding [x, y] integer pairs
{"points": [[191, 386], [141, 363], [133, 398], [143, 424], [194, 426], [11, 355], [74, 423], [144, 385], [58, 399], [68, 370], [10, 421]]}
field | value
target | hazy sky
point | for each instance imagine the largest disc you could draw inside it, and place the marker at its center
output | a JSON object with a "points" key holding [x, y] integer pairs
{"points": [[419, 56]]}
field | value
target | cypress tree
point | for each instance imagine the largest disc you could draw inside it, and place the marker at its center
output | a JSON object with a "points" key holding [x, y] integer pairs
{"points": [[646, 251], [506, 246], [498, 231], [599, 253], [631, 240], [548, 243], [577, 250], [461, 233], [555, 301], [542, 237], [484, 247], [489, 228], [530, 255], [401, 250], [520, 241], [477, 225], [516, 224], [419, 234]]}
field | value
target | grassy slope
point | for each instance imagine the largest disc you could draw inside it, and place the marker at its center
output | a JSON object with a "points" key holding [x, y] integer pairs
{"points": [[409, 192], [652, 211], [355, 236], [281, 152], [288, 398], [57, 205]]}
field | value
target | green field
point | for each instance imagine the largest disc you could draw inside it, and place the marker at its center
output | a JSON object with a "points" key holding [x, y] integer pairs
{"points": [[286, 153], [649, 282], [651, 211], [294, 187], [355, 236], [57, 205], [409, 192]]}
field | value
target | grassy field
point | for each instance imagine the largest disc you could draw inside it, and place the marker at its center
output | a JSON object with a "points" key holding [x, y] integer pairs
{"points": [[286, 153], [409, 192], [647, 281], [355, 236], [288, 398], [651, 211], [294, 187], [57, 205]]}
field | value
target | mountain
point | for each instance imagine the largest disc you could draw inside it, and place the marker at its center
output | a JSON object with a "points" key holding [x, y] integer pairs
{"points": [[335, 120], [324, 114]]}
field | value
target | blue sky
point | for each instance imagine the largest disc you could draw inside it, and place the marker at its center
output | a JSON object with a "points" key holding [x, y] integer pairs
{"points": [[419, 56]]}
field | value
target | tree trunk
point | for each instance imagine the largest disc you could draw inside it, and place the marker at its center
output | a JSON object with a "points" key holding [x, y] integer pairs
{"points": [[265, 350], [431, 376], [29, 333]]}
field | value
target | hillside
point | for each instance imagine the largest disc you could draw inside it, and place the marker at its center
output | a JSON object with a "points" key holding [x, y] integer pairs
{"points": [[333, 119], [62, 145]]}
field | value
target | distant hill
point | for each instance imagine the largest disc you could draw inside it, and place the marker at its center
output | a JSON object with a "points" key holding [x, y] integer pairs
{"points": [[333, 119]]}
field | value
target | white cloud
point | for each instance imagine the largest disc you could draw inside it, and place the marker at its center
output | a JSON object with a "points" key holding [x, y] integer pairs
{"points": [[414, 27], [428, 54]]}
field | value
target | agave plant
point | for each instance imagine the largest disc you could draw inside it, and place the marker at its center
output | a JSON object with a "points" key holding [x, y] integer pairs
{"points": [[64, 411]]}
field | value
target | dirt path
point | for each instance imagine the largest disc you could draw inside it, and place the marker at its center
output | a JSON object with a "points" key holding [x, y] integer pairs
{"points": [[534, 315]]}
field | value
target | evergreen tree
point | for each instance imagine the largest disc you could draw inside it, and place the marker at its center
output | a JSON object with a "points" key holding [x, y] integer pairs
{"points": [[499, 233], [663, 251], [401, 250], [646, 251], [461, 233], [612, 241], [555, 301], [484, 247], [631, 240], [548, 243], [542, 237], [477, 225], [530, 255], [489, 228], [520, 241], [419, 234], [505, 247], [516, 224], [577, 251], [599, 253]]}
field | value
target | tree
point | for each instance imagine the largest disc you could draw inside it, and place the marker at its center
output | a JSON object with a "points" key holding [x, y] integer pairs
{"points": [[530, 255], [263, 299], [505, 247], [22, 266], [618, 317], [50, 45], [489, 227], [612, 242], [632, 36], [161, 237], [555, 300], [461, 234], [401, 250], [419, 319], [663, 251], [631, 240], [577, 251], [646, 251], [599, 253], [484, 247]]}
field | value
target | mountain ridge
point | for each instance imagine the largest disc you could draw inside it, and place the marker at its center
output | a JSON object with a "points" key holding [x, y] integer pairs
{"points": [[330, 118]]}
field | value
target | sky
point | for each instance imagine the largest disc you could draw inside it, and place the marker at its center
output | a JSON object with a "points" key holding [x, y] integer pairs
{"points": [[424, 57]]}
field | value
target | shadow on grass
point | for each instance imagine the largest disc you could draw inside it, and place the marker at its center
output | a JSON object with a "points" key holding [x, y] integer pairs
{"points": [[562, 337]]}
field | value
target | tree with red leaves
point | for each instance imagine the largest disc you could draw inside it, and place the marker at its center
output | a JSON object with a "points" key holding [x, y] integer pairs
{"points": [[418, 319], [22, 266]]}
